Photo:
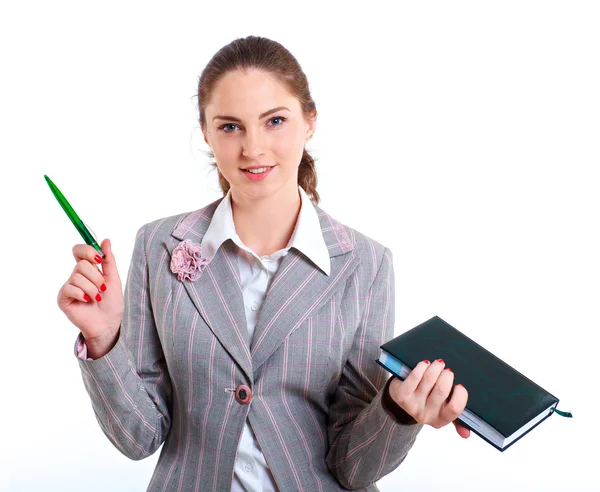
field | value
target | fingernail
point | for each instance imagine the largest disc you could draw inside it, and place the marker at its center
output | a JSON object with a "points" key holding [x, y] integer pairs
{"points": [[87, 298], [427, 362], [98, 298], [448, 369], [440, 360], [103, 287], [460, 385], [98, 259]]}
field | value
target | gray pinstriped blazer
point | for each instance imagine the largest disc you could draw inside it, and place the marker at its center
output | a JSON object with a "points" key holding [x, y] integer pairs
{"points": [[316, 405]]}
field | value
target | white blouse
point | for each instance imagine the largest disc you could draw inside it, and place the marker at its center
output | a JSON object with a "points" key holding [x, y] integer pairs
{"points": [[251, 471]]}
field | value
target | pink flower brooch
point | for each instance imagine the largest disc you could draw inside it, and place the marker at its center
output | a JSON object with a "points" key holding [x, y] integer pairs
{"points": [[186, 261]]}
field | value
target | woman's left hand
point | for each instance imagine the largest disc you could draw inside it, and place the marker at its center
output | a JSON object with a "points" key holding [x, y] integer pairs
{"points": [[424, 392]]}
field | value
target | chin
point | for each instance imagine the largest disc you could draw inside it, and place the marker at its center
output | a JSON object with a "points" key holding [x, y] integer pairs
{"points": [[260, 191]]}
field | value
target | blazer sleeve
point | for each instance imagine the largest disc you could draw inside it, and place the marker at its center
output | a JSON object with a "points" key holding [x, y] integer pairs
{"points": [[367, 438], [129, 387]]}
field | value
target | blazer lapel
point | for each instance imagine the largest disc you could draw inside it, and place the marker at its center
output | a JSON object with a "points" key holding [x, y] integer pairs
{"points": [[299, 288], [217, 293]]}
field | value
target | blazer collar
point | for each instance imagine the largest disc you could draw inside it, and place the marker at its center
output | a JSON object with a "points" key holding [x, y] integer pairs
{"points": [[298, 289]]}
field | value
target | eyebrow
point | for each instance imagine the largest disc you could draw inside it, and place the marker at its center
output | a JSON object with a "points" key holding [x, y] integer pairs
{"points": [[237, 120]]}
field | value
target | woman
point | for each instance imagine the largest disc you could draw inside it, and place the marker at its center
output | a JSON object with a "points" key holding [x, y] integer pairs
{"points": [[248, 337]]}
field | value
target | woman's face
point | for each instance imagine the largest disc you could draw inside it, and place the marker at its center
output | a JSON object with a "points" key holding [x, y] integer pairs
{"points": [[252, 121]]}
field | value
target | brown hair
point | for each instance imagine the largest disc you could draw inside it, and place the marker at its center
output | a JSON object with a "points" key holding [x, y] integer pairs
{"points": [[255, 52]]}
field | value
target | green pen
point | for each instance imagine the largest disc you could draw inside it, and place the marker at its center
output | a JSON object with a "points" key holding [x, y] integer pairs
{"points": [[79, 225]]}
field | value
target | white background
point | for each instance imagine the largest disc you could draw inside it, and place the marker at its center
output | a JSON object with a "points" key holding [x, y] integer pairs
{"points": [[462, 135]]}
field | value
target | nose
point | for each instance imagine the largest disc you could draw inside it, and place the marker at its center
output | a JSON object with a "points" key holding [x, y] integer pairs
{"points": [[253, 145]]}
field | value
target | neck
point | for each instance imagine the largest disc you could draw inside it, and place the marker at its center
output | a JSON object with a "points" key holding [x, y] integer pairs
{"points": [[266, 224]]}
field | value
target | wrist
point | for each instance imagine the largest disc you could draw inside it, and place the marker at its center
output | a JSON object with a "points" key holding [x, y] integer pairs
{"points": [[99, 346]]}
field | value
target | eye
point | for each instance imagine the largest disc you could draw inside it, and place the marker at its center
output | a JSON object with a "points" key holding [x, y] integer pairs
{"points": [[279, 118], [225, 126]]}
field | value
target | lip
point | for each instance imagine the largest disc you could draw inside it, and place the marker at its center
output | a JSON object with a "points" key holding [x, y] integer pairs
{"points": [[257, 177], [253, 167]]}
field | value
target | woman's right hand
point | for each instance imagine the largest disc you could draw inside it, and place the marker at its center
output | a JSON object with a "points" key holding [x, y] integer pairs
{"points": [[425, 396], [98, 320]]}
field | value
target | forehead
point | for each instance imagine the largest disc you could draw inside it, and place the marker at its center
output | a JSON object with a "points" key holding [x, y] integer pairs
{"points": [[249, 94]]}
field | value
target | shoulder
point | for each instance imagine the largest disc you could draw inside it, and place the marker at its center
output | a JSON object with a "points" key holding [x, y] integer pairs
{"points": [[191, 224], [341, 238]]}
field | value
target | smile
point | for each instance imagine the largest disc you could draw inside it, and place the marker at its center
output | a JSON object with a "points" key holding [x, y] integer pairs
{"points": [[258, 170], [258, 173]]}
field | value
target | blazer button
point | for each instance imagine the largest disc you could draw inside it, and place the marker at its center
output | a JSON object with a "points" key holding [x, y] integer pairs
{"points": [[243, 394]]}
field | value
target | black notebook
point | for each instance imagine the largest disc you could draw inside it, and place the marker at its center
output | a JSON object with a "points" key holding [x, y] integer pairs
{"points": [[503, 405]]}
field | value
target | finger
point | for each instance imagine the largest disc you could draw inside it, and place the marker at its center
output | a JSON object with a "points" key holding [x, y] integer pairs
{"points": [[429, 379], [453, 408], [463, 431], [109, 265], [89, 253], [92, 274], [72, 293], [410, 384], [78, 286], [441, 390], [86, 252], [403, 392]]}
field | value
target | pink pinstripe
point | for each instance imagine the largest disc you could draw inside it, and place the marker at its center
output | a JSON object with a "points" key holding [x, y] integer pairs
{"points": [[213, 344], [289, 412], [318, 428], [289, 300], [243, 342], [222, 433], [116, 419], [281, 275], [191, 393], [144, 302], [284, 447], [232, 321], [174, 463], [364, 441], [132, 402], [365, 318], [363, 445], [175, 459], [306, 383], [386, 450], [366, 444], [235, 270]]}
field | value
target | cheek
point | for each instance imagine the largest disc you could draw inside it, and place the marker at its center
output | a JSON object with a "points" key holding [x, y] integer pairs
{"points": [[226, 156], [226, 153], [287, 144], [222, 145]]}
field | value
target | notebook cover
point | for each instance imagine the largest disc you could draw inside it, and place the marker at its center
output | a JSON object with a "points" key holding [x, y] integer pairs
{"points": [[466, 423], [498, 394]]}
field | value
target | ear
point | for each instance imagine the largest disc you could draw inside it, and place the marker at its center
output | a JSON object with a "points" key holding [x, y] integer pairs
{"points": [[312, 126]]}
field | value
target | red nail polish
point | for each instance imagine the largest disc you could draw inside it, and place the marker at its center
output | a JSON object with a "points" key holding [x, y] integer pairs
{"points": [[448, 369], [86, 297], [427, 362], [440, 360], [98, 298], [98, 259], [103, 287]]}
